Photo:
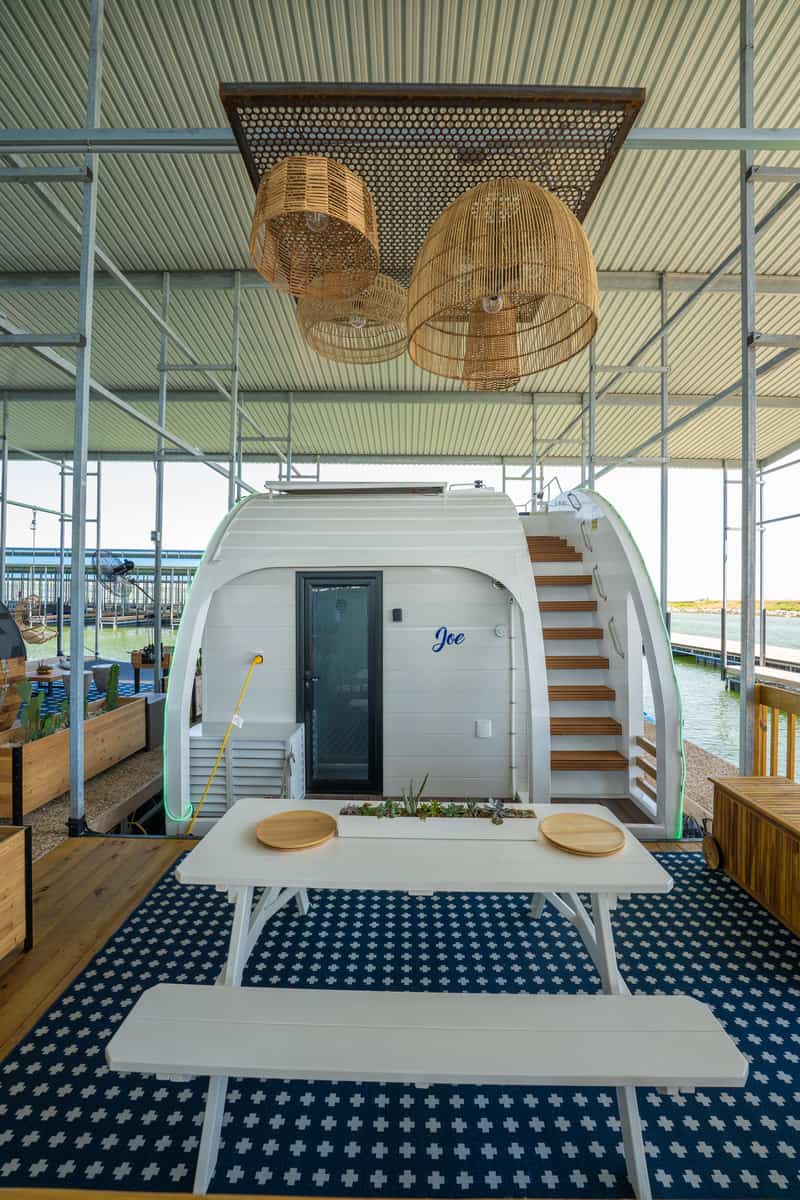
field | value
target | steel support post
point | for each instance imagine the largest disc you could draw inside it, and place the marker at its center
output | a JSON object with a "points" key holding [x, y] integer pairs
{"points": [[533, 454], [762, 611], [583, 442], [289, 434], [98, 570], [159, 514], [749, 466], [592, 414], [61, 557], [234, 448], [4, 502], [77, 821], [663, 574], [723, 616]]}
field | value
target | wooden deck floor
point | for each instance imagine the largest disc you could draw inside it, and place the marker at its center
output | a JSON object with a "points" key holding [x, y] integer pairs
{"points": [[82, 892]]}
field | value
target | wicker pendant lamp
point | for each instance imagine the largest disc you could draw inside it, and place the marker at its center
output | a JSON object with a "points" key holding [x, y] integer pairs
{"points": [[314, 230], [505, 247], [367, 328]]}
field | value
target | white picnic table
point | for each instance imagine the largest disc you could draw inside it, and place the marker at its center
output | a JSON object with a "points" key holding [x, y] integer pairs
{"points": [[614, 1040], [231, 858]]}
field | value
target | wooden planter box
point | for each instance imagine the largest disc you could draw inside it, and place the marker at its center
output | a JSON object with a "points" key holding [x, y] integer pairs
{"points": [[16, 908], [34, 773], [757, 828]]}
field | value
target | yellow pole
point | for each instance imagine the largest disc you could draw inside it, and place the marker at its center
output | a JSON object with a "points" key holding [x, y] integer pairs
{"points": [[257, 658]]}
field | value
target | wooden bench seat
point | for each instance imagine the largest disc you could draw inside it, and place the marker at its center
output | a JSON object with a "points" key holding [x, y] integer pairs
{"points": [[411, 1037]]}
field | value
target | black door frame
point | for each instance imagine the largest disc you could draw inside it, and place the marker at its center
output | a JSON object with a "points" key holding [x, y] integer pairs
{"points": [[373, 785]]}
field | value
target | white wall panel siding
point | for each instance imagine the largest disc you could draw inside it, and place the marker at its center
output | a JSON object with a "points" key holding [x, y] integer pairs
{"points": [[422, 733], [440, 555]]}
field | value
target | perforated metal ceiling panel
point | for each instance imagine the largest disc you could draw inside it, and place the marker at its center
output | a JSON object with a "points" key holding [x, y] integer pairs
{"points": [[419, 147]]}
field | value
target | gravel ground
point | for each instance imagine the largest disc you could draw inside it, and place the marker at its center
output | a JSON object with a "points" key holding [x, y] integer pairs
{"points": [[104, 792]]}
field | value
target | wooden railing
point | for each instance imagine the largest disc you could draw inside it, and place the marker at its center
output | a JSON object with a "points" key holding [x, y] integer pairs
{"points": [[771, 703]]}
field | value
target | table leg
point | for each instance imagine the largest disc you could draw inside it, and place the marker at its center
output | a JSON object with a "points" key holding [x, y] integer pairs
{"points": [[606, 954], [246, 928], [137, 675], [237, 948], [596, 935], [302, 902], [209, 1138], [633, 1143]]}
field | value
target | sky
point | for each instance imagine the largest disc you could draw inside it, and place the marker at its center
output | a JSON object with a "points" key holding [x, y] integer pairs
{"points": [[196, 497]]}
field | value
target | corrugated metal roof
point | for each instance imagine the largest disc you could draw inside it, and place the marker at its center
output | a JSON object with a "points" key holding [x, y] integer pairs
{"points": [[658, 211]]}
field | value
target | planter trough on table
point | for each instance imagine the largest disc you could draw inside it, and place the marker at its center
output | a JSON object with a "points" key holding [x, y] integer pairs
{"points": [[468, 829]]}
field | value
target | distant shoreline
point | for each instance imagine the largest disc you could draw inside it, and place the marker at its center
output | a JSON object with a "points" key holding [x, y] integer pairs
{"points": [[775, 608]]}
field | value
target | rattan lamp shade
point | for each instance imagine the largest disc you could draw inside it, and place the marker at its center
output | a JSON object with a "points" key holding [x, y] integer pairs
{"points": [[314, 230], [367, 328], [505, 247]]}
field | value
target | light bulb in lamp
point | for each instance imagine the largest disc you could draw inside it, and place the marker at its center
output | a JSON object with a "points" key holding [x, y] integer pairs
{"points": [[316, 221], [492, 304]]}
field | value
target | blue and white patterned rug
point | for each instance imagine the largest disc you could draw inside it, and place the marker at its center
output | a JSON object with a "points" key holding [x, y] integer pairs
{"points": [[66, 1121]]}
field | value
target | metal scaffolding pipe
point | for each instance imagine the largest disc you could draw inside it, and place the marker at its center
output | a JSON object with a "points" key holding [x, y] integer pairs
{"points": [[679, 422], [4, 501], [592, 414], [88, 226], [69, 368], [159, 510], [663, 573], [62, 474], [720, 269], [235, 422], [98, 541], [723, 616], [66, 218], [748, 386]]}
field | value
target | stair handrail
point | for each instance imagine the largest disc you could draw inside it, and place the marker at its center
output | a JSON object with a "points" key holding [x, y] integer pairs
{"points": [[235, 720], [587, 541], [612, 629], [598, 582]]}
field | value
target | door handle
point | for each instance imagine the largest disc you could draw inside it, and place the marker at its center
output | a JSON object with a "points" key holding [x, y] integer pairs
{"points": [[309, 679]]}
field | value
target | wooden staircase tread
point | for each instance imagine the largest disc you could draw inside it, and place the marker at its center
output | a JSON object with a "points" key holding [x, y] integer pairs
{"points": [[588, 760], [568, 606], [645, 744], [567, 633], [576, 662], [646, 788], [600, 726], [580, 691], [562, 580], [555, 555], [645, 765]]}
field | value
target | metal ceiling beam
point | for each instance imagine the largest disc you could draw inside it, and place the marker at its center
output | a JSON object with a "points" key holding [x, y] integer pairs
{"points": [[573, 400], [222, 280], [267, 460], [222, 141]]}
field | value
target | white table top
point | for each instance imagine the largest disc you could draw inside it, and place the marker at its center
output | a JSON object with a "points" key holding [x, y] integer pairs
{"points": [[231, 856]]}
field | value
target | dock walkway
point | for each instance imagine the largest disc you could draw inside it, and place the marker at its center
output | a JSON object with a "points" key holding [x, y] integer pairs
{"points": [[781, 665]]}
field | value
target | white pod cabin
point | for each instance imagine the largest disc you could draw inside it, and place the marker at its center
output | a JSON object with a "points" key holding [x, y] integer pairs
{"points": [[413, 631]]}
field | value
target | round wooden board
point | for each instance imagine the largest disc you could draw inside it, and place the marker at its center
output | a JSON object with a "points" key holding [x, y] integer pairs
{"points": [[296, 829], [579, 834]]}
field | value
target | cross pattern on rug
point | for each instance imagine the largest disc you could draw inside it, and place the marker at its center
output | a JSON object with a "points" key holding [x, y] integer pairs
{"points": [[67, 1121]]}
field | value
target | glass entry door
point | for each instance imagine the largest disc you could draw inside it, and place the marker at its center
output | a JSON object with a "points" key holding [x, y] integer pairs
{"points": [[339, 680]]}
